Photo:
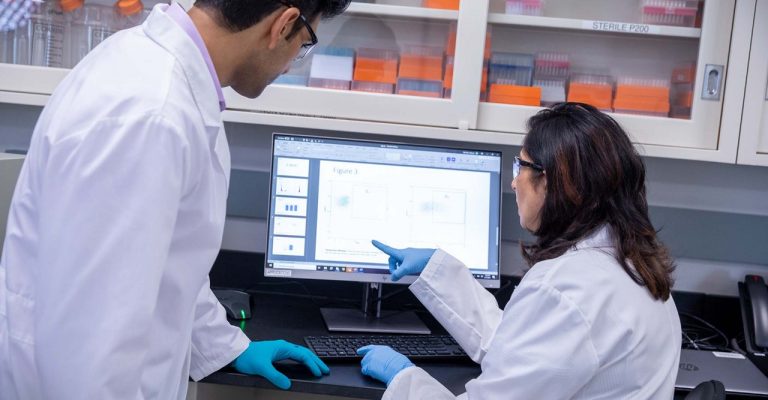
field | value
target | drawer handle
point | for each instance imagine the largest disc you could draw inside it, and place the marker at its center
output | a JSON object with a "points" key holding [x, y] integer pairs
{"points": [[713, 75]]}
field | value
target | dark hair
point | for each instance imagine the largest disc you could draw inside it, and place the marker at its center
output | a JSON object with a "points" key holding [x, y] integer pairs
{"points": [[238, 15], [594, 177]]}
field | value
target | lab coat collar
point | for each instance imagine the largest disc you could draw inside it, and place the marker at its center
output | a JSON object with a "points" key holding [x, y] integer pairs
{"points": [[168, 34], [600, 238]]}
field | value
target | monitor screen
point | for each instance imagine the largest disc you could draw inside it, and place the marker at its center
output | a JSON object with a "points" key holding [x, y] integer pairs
{"points": [[331, 196]]}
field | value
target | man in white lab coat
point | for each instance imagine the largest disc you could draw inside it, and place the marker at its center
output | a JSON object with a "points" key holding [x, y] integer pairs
{"points": [[119, 210]]}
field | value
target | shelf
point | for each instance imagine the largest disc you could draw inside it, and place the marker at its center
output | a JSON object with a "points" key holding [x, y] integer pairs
{"points": [[28, 79], [401, 11], [644, 130], [353, 105], [369, 127], [26, 99], [626, 28]]}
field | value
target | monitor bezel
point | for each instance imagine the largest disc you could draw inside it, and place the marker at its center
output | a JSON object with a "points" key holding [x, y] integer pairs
{"points": [[368, 277]]}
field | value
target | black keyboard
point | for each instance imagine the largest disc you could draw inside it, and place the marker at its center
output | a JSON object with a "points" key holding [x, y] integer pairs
{"points": [[415, 347]]}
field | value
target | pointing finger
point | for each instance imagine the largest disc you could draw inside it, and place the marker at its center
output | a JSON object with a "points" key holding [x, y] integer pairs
{"points": [[389, 250]]}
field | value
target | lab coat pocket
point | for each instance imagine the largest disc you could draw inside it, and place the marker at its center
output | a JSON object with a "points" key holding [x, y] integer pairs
{"points": [[19, 316], [17, 346]]}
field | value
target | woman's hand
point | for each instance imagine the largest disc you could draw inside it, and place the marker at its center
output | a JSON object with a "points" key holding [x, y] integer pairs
{"points": [[403, 262], [382, 363]]}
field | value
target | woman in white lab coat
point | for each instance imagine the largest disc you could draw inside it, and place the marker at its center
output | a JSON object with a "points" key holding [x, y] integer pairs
{"points": [[593, 317]]}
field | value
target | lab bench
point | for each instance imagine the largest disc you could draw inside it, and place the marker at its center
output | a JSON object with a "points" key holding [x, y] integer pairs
{"points": [[291, 318], [289, 309]]}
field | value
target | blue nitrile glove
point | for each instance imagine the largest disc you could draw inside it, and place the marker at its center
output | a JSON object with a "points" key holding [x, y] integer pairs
{"points": [[382, 363], [14, 13], [257, 359], [403, 262]]}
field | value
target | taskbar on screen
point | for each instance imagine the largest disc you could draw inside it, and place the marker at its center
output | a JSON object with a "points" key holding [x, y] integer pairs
{"points": [[353, 269]]}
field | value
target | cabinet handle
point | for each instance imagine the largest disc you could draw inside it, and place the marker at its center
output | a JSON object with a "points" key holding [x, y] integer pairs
{"points": [[712, 79], [766, 89]]}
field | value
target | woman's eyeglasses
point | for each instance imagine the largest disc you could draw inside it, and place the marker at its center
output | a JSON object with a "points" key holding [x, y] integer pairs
{"points": [[522, 163]]}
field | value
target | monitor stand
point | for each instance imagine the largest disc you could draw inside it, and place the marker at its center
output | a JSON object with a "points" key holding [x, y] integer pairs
{"points": [[373, 320]]}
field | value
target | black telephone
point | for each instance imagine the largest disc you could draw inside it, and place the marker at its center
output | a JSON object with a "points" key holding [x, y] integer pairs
{"points": [[753, 295]]}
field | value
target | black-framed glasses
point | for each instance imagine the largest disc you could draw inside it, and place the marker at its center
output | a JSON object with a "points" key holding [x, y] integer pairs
{"points": [[306, 47], [522, 163]]}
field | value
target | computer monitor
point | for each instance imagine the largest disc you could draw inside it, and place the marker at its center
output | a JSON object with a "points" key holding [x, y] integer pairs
{"points": [[331, 196]]}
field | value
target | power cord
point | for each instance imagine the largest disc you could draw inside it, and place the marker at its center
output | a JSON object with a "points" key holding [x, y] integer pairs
{"points": [[317, 300], [373, 301], [701, 335]]}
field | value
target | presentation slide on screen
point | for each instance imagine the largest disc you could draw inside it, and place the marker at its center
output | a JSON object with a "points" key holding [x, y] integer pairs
{"points": [[291, 206], [288, 246], [291, 187], [290, 226], [395, 205], [293, 167]]}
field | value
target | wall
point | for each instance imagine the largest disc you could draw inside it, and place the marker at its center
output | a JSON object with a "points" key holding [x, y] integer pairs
{"points": [[713, 217]]}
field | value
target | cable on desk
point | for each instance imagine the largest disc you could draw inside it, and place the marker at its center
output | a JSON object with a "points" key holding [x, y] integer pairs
{"points": [[691, 341], [700, 335], [373, 301], [307, 294], [735, 346]]}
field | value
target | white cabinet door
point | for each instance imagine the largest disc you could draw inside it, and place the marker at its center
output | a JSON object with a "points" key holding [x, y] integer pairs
{"points": [[21, 83], [601, 42], [407, 45], [753, 143]]}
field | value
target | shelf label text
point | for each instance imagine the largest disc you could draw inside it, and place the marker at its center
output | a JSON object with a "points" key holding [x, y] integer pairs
{"points": [[626, 27]]}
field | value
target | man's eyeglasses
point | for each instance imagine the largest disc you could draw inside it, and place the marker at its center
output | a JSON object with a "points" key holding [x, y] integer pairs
{"points": [[522, 163], [306, 47]]}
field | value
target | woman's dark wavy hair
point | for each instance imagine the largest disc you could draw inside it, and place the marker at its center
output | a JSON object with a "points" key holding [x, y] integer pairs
{"points": [[594, 177], [238, 15]]}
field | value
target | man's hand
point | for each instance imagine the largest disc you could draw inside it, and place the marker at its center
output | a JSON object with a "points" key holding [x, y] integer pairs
{"points": [[257, 359]]}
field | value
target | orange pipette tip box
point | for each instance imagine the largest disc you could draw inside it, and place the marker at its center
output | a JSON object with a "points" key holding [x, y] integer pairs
{"points": [[421, 67], [642, 91], [443, 4], [376, 65], [375, 70], [513, 94], [595, 94], [644, 104]]}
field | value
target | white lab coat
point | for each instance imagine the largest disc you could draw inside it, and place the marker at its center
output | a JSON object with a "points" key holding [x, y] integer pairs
{"points": [[116, 220], [576, 327]]}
